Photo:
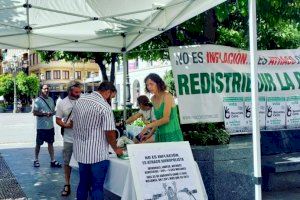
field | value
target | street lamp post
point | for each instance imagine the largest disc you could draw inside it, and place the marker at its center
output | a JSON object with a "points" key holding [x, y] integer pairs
{"points": [[13, 68], [84, 86], [93, 76], [42, 77], [15, 94]]}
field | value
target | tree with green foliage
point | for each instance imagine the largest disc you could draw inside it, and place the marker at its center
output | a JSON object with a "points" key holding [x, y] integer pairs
{"points": [[27, 87], [7, 87], [169, 80]]}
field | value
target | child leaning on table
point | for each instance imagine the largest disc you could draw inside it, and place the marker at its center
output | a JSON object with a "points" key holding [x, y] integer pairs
{"points": [[146, 112]]}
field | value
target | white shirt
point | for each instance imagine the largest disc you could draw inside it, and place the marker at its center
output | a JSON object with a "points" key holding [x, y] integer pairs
{"points": [[148, 115], [64, 108], [92, 116]]}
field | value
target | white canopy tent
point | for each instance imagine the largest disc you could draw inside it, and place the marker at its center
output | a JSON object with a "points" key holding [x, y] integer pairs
{"points": [[91, 25], [108, 26]]}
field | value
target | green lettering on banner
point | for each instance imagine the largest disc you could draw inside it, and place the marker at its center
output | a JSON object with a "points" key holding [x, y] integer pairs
{"points": [[261, 82], [236, 82], [270, 82], [248, 86], [194, 83], [289, 82], [297, 76], [227, 78], [205, 83], [213, 88], [183, 81], [219, 82], [280, 82], [244, 81]]}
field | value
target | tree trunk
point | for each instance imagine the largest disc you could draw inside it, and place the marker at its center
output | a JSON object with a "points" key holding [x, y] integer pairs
{"points": [[171, 34], [210, 26], [99, 60], [113, 67]]}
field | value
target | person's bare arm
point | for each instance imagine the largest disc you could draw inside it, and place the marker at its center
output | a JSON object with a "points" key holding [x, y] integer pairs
{"points": [[133, 118], [169, 101], [62, 124], [42, 114], [111, 139]]}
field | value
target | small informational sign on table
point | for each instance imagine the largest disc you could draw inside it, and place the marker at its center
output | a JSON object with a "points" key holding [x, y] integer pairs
{"points": [[248, 113], [165, 171], [275, 113], [234, 114], [293, 112]]}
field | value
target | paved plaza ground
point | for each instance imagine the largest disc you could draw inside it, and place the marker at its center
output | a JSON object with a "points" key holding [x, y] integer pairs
{"points": [[17, 139]]}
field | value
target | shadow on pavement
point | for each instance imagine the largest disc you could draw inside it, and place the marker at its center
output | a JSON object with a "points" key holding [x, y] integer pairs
{"points": [[38, 183]]}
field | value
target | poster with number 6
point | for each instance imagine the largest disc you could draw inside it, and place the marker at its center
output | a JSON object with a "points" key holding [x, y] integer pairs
{"points": [[293, 112], [234, 114], [275, 113]]}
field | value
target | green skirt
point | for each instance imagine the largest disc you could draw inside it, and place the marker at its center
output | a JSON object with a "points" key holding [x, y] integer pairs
{"points": [[174, 136]]}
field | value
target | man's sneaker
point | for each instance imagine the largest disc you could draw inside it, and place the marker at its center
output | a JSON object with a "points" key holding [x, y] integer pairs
{"points": [[36, 163], [55, 164]]}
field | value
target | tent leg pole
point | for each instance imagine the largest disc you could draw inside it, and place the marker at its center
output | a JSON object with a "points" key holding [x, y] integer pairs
{"points": [[254, 97], [124, 84]]}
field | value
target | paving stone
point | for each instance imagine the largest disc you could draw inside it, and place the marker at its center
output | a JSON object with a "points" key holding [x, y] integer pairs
{"points": [[9, 186]]}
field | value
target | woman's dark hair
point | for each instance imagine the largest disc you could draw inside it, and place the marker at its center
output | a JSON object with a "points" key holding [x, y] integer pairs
{"points": [[144, 100], [159, 82]]}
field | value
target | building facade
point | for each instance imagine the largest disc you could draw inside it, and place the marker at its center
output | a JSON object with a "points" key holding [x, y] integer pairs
{"points": [[57, 74]]}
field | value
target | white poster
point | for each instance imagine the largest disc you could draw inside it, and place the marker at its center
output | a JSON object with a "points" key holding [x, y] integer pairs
{"points": [[165, 171], [275, 113], [234, 114], [248, 113], [293, 112], [205, 74]]}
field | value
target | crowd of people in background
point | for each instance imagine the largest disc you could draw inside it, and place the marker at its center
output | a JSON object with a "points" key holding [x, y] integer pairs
{"points": [[88, 128]]}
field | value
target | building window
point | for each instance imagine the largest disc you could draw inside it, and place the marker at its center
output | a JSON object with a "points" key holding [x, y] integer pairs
{"points": [[36, 58], [88, 75], [48, 75], [65, 74], [56, 74], [78, 75]]}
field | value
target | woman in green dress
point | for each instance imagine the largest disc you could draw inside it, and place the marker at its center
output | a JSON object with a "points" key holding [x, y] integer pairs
{"points": [[165, 111]]}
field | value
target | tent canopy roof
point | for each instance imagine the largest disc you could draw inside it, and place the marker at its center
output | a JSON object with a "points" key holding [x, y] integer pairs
{"points": [[91, 25]]}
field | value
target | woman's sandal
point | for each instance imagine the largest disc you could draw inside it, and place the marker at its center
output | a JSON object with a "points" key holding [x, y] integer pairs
{"points": [[66, 191]]}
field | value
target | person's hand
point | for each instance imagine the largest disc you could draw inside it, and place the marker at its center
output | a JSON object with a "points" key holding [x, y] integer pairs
{"points": [[47, 114], [68, 125], [145, 137], [144, 131], [118, 151], [118, 123]]}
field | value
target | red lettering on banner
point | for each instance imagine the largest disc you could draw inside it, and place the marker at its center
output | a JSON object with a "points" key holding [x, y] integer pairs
{"points": [[213, 57], [228, 58], [281, 60]]}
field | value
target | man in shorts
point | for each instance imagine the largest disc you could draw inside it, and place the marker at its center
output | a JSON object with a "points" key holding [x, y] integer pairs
{"points": [[44, 110], [64, 110]]}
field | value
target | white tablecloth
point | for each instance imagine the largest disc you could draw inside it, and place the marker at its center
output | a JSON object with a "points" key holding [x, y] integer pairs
{"points": [[120, 182], [119, 179]]}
